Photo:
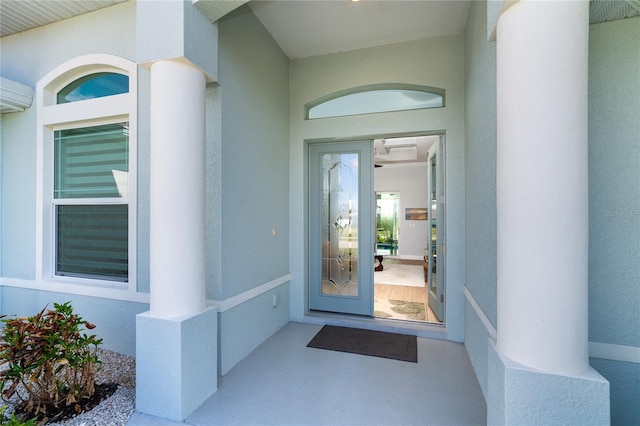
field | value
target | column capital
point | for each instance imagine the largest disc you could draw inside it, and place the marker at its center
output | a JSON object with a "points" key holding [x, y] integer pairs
{"points": [[176, 30]]}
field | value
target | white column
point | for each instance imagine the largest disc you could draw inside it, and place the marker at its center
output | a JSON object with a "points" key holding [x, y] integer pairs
{"points": [[542, 223], [177, 190]]}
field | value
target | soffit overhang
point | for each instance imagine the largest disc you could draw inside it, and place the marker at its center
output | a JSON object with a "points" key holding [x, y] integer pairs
{"points": [[19, 15]]}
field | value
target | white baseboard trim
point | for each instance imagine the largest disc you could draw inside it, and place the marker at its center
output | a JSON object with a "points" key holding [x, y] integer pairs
{"points": [[128, 296], [606, 351], [232, 302], [491, 330], [613, 352], [412, 257]]}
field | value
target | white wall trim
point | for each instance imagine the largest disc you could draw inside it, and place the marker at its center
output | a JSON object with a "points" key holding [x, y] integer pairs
{"points": [[614, 352], [241, 298], [50, 116], [123, 294], [493, 333], [104, 292], [606, 351], [408, 256]]}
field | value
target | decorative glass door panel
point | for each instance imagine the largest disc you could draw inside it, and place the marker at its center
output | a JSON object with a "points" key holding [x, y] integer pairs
{"points": [[341, 213], [436, 243]]}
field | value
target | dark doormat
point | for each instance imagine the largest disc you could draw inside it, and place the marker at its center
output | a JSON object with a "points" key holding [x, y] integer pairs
{"points": [[366, 342]]}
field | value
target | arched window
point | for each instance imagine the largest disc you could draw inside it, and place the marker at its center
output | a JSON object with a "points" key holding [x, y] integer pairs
{"points": [[375, 99], [87, 145], [92, 86]]}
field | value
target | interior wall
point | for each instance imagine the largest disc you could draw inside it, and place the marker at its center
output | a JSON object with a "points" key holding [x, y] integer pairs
{"points": [[410, 181], [614, 207], [434, 62]]}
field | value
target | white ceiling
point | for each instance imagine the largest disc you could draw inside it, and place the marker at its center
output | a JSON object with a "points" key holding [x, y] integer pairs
{"points": [[315, 27], [308, 28], [403, 150]]}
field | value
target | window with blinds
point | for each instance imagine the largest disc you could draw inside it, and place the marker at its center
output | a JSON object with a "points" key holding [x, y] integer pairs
{"points": [[91, 162], [92, 241], [91, 166]]}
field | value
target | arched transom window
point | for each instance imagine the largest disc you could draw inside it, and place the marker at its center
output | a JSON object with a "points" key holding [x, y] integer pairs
{"points": [[96, 85], [375, 99]]}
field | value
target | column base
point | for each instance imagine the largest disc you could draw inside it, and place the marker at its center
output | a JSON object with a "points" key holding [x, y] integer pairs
{"points": [[176, 363], [518, 395]]}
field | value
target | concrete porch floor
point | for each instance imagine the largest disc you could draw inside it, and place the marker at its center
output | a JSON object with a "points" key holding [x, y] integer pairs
{"points": [[282, 382]]}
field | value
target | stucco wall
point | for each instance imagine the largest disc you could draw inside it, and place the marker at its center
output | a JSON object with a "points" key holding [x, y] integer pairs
{"points": [[432, 62], [480, 161], [614, 182], [114, 319], [27, 57], [480, 186], [614, 205], [251, 238], [254, 153]]}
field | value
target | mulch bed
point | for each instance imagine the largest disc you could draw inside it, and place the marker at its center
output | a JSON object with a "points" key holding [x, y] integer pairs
{"points": [[103, 391]]}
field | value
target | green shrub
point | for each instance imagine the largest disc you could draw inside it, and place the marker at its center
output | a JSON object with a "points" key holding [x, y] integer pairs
{"points": [[47, 362], [13, 420]]}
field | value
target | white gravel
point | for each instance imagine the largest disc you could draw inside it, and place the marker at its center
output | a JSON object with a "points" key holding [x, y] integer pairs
{"points": [[115, 410]]}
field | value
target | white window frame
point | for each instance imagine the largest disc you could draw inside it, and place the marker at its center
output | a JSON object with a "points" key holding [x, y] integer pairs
{"points": [[51, 117]]}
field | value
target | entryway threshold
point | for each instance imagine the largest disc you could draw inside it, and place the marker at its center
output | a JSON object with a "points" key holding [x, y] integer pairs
{"points": [[419, 329]]}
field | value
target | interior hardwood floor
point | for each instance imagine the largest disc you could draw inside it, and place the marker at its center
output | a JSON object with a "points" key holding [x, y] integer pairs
{"points": [[401, 292], [406, 293], [390, 291]]}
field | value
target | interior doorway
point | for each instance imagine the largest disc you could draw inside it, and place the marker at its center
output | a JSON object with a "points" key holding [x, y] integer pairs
{"points": [[371, 229], [407, 284], [387, 226]]}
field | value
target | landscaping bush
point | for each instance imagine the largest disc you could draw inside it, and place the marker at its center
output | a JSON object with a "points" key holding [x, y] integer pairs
{"points": [[13, 420], [48, 363]]}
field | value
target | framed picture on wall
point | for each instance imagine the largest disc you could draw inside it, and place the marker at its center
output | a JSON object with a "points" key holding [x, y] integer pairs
{"points": [[419, 213]]}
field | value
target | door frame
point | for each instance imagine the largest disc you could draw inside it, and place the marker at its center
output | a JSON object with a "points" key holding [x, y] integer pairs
{"points": [[442, 133], [437, 301]]}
